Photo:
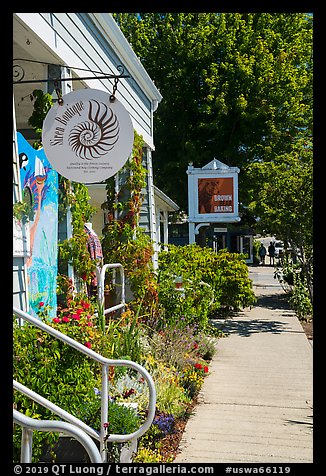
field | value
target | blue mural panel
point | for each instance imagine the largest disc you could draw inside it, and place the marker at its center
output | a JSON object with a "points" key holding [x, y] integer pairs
{"points": [[40, 182]]}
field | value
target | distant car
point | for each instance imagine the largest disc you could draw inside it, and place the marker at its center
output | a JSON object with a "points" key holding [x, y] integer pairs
{"points": [[279, 249]]}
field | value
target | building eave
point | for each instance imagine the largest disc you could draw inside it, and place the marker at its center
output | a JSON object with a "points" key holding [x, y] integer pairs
{"points": [[172, 206], [111, 30]]}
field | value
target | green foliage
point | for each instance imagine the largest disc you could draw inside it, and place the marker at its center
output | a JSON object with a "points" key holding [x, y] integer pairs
{"points": [[234, 84], [234, 284], [171, 397], [23, 211], [180, 346], [123, 240], [74, 250], [192, 382], [148, 455], [42, 104], [300, 299], [122, 419], [226, 275], [55, 371], [293, 279]]}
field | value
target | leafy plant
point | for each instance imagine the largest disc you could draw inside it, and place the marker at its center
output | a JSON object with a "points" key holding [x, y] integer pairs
{"points": [[42, 104], [294, 281], [222, 276], [123, 240], [147, 455], [171, 397], [74, 250], [300, 299], [57, 372], [23, 211]]}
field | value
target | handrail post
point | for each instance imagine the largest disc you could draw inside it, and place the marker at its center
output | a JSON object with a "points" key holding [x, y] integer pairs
{"points": [[123, 287], [26, 446], [104, 412]]}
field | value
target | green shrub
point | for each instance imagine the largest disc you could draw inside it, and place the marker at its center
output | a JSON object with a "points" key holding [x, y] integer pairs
{"points": [[58, 373], [299, 299], [222, 276]]}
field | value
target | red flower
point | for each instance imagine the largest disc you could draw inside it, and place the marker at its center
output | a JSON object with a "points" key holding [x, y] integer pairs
{"points": [[41, 304], [79, 311], [195, 345], [84, 276], [199, 366], [206, 369], [88, 345], [86, 305], [65, 319], [56, 320]]}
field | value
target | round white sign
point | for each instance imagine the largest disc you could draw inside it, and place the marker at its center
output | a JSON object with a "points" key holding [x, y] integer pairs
{"points": [[88, 138]]}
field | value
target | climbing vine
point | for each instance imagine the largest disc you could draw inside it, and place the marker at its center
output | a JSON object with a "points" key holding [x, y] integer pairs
{"points": [[42, 104], [74, 250], [124, 241]]}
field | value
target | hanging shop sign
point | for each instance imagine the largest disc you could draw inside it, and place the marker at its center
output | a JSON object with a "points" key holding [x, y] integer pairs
{"points": [[88, 137], [213, 193]]}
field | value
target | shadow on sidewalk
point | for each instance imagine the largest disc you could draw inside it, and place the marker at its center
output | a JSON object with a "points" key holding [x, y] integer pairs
{"points": [[247, 328], [273, 301], [276, 301]]}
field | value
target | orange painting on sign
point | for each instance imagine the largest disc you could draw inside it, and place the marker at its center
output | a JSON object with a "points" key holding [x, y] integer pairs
{"points": [[215, 195]]}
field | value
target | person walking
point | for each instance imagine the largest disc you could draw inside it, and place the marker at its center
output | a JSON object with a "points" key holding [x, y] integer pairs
{"points": [[262, 253], [271, 253]]}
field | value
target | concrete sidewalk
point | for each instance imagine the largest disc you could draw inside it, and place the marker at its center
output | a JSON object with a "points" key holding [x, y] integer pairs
{"points": [[256, 404]]}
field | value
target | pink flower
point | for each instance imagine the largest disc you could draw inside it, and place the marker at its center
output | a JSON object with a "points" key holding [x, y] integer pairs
{"points": [[88, 345], [79, 311], [56, 320], [76, 317], [65, 319], [90, 324]]}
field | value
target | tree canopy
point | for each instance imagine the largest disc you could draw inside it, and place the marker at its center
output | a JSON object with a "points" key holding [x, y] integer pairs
{"points": [[238, 87]]}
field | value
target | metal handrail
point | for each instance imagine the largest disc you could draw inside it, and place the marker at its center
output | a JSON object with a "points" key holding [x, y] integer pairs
{"points": [[105, 363], [55, 409], [29, 425], [100, 274]]}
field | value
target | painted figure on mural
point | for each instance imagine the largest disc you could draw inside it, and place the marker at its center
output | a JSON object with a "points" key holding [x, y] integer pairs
{"points": [[40, 182]]}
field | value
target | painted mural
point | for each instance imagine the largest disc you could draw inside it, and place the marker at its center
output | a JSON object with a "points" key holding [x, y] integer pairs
{"points": [[39, 182]]}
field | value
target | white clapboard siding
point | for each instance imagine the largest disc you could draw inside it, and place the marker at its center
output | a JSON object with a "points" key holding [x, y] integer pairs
{"points": [[82, 40]]}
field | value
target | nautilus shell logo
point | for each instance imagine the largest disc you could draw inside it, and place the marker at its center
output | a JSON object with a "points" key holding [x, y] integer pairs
{"points": [[95, 137], [88, 138]]}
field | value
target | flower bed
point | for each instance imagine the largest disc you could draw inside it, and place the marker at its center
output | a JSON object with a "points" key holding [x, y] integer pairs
{"points": [[174, 356], [172, 339]]}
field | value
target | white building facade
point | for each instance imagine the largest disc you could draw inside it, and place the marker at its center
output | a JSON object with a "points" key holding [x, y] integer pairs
{"points": [[71, 51]]}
